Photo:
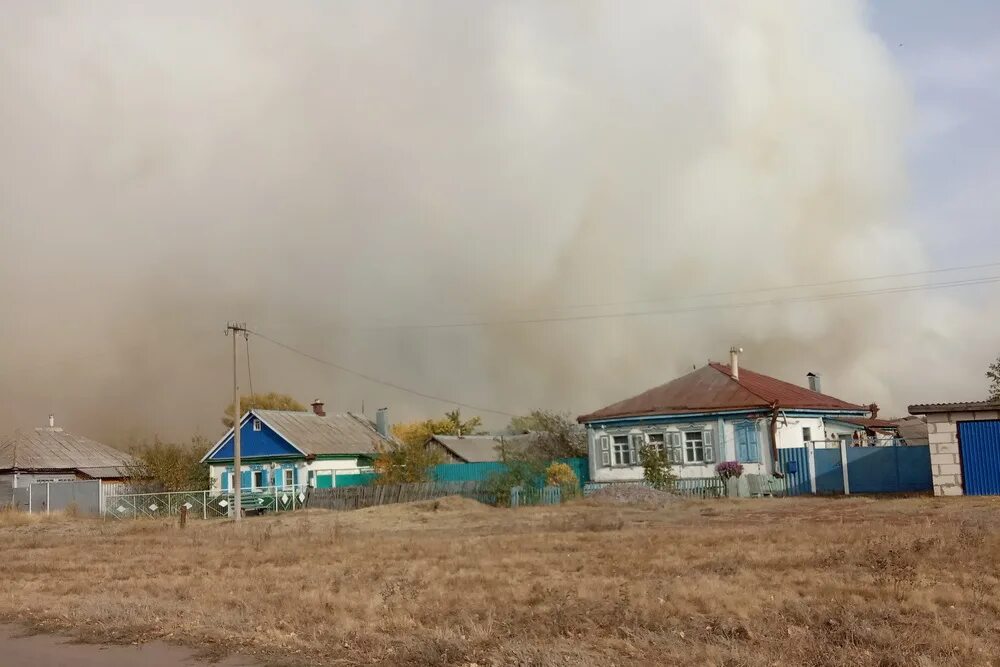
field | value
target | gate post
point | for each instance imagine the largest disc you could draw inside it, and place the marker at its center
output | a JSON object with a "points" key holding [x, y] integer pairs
{"points": [[843, 463], [811, 461]]}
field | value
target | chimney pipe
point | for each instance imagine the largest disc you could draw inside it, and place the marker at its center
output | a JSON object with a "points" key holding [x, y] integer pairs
{"points": [[382, 422], [52, 421], [317, 406], [814, 383], [734, 362]]}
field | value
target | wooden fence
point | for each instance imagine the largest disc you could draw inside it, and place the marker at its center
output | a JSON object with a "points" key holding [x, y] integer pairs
{"points": [[358, 497]]}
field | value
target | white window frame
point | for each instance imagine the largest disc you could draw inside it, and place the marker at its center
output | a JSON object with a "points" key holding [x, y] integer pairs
{"points": [[288, 477], [230, 481], [616, 450], [661, 445], [256, 425], [253, 479], [690, 450]]}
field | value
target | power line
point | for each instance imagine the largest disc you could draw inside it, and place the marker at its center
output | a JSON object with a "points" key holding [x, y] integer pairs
{"points": [[246, 336], [700, 308], [375, 380]]}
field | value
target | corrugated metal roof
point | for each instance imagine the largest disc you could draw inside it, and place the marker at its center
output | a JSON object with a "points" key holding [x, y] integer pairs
{"points": [[333, 434], [56, 449], [482, 448], [711, 389], [968, 406]]}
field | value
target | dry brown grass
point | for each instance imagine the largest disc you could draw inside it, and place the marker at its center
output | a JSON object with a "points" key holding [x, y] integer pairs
{"points": [[450, 582]]}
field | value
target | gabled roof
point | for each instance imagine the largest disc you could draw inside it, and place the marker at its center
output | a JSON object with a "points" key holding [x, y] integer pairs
{"points": [[52, 448], [313, 435], [345, 433], [712, 389], [968, 406], [482, 448]]}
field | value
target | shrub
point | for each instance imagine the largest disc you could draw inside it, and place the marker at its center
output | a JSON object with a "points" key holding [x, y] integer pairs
{"points": [[729, 469], [560, 474], [656, 469]]}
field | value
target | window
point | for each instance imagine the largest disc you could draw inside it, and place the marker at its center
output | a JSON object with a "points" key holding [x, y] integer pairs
{"points": [[622, 451], [807, 434], [698, 447], [289, 477], [694, 447], [658, 442], [228, 481], [256, 424], [675, 450], [258, 479]]}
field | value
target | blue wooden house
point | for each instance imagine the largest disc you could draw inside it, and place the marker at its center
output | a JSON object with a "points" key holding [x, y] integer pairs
{"points": [[287, 450]]}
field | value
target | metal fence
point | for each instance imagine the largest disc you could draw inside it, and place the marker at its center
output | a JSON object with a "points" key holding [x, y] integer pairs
{"points": [[204, 504], [696, 487], [83, 497]]}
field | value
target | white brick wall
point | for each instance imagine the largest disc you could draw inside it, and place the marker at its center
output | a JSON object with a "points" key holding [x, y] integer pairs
{"points": [[942, 434]]}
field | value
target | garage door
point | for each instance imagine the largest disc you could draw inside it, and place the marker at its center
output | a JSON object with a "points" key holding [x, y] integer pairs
{"points": [[979, 443]]}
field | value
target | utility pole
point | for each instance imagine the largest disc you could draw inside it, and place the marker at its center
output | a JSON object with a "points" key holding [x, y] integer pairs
{"points": [[235, 328]]}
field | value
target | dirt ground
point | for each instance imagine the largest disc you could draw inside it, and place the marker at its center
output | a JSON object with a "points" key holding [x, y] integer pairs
{"points": [[810, 581], [20, 650]]}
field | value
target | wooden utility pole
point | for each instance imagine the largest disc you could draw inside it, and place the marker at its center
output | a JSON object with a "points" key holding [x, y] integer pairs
{"points": [[235, 328]]}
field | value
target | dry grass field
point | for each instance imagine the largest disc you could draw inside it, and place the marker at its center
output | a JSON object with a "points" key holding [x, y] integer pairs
{"points": [[767, 582]]}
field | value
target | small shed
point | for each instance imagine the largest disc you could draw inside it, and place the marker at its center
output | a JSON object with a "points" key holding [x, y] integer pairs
{"points": [[964, 441]]}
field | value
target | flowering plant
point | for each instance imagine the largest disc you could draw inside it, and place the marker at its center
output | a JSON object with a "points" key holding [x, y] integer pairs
{"points": [[729, 469]]}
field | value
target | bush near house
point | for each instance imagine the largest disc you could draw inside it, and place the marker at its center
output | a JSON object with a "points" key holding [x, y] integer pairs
{"points": [[656, 468], [166, 466]]}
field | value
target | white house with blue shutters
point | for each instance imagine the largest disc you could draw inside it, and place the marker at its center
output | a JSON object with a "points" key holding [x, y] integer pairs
{"points": [[713, 414], [289, 450]]}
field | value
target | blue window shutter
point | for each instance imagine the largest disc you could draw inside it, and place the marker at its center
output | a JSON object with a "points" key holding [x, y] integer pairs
{"points": [[263, 478], [247, 481], [742, 453], [753, 445], [225, 480]]}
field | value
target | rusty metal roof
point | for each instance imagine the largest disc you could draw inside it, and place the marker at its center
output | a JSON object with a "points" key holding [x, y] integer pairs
{"points": [[712, 389], [968, 406], [52, 448]]}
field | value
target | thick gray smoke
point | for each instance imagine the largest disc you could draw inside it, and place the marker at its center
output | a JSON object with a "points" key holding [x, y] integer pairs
{"points": [[317, 169]]}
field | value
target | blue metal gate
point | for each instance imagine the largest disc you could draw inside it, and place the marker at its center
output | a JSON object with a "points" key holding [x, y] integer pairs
{"points": [[979, 444], [829, 471]]}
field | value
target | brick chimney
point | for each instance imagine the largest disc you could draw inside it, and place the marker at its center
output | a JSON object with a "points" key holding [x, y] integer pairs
{"points": [[317, 406]]}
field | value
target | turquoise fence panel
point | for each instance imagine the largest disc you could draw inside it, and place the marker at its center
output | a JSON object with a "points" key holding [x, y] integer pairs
{"points": [[795, 466], [358, 479], [467, 472]]}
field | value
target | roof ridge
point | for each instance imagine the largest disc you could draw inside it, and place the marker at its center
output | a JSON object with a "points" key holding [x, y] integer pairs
{"points": [[719, 366]]}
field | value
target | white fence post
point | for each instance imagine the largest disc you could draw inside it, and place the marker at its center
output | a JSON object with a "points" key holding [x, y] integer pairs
{"points": [[843, 463], [811, 457]]}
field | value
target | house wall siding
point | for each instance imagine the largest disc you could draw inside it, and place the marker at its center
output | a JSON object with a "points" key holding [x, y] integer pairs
{"points": [[303, 468]]}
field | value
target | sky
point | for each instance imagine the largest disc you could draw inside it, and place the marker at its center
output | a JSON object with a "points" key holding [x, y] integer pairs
{"points": [[949, 56], [497, 206]]}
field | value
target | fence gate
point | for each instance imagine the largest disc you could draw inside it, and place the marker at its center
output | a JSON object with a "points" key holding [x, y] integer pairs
{"points": [[979, 448]]}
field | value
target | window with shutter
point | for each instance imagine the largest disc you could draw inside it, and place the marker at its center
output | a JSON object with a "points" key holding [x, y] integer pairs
{"points": [[675, 448], [637, 441], [657, 442], [706, 437], [605, 444], [621, 450], [694, 447]]}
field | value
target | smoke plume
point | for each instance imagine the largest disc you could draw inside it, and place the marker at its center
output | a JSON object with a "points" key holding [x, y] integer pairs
{"points": [[330, 171]]}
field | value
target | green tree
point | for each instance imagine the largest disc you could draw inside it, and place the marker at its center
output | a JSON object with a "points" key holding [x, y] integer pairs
{"points": [[656, 468], [993, 375], [402, 462], [418, 433], [165, 466], [270, 401], [557, 435]]}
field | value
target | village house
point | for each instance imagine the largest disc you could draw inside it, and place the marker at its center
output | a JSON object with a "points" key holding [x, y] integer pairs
{"points": [[51, 454], [288, 449], [717, 413], [479, 448]]}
